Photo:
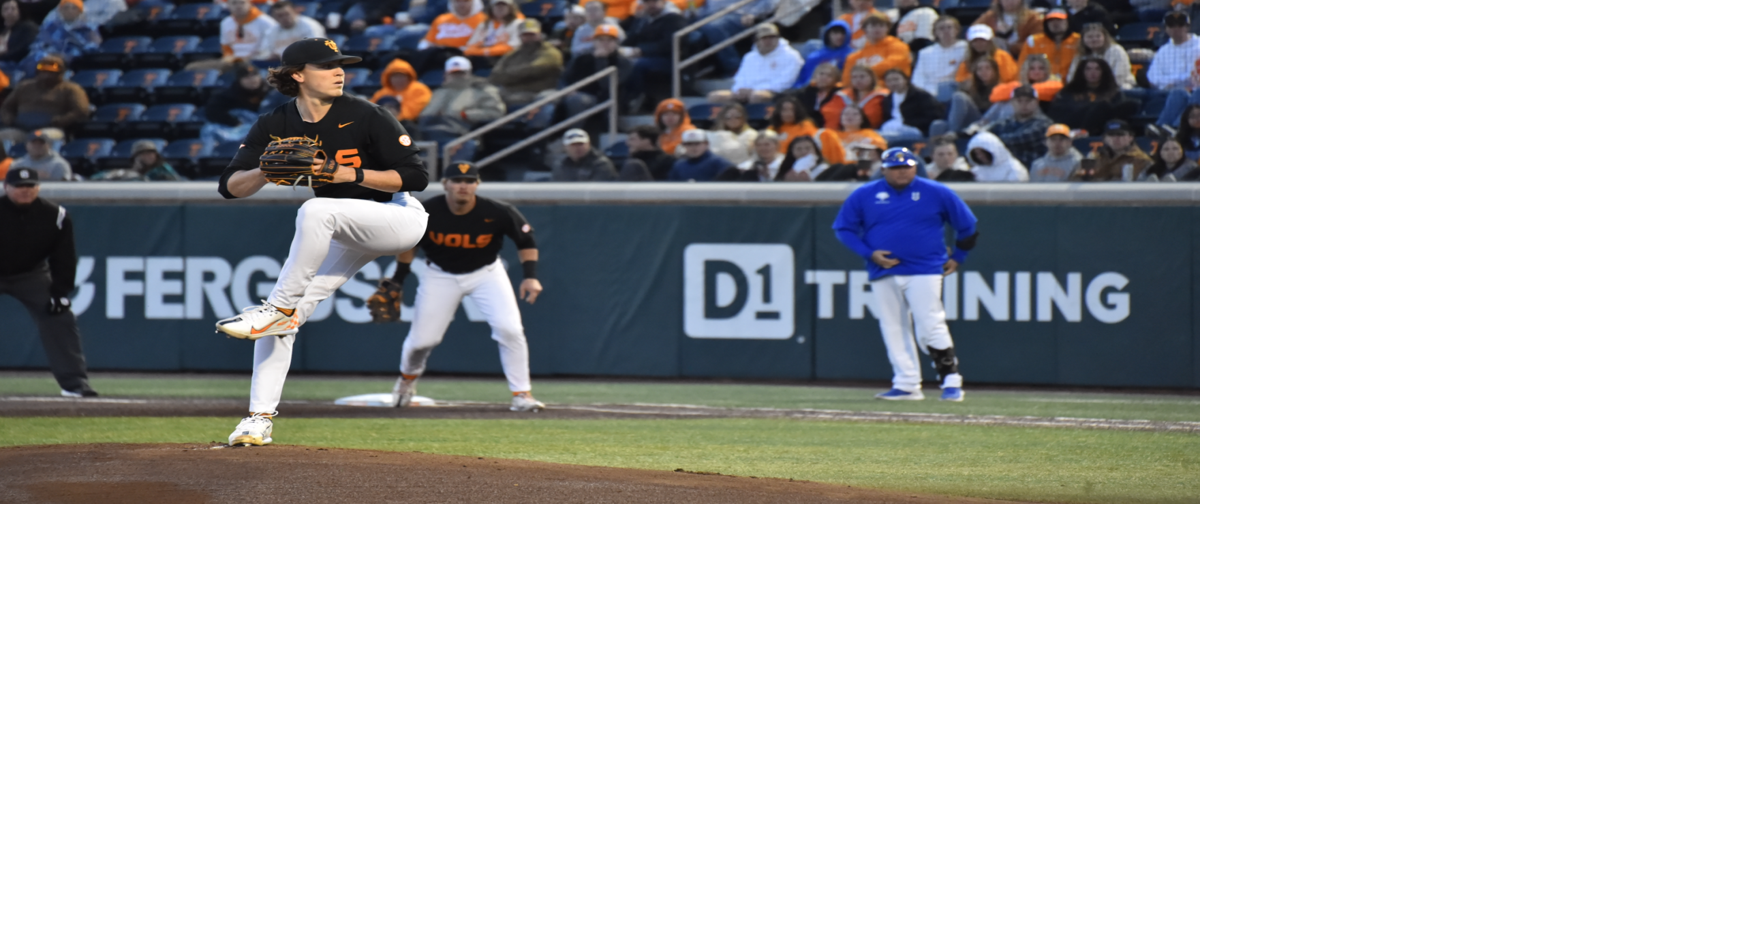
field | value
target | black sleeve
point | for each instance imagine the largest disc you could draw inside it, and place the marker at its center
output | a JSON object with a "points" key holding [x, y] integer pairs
{"points": [[519, 230], [393, 150], [246, 156], [63, 258]]}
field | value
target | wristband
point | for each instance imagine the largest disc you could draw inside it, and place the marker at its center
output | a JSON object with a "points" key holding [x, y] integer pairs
{"points": [[401, 273], [528, 269]]}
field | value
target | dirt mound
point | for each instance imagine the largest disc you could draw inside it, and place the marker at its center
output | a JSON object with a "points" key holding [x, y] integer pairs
{"points": [[121, 473]]}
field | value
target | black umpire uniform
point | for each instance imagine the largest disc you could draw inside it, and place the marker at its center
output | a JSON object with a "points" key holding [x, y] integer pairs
{"points": [[37, 263]]}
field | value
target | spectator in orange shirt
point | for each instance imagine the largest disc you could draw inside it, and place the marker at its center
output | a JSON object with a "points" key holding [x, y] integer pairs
{"points": [[880, 53], [449, 34], [789, 120], [673, 120], [853, 125], [979, 44], [498, 34], [864, 92], [1056, 42], [1037, 73], [860, 10], [1012, 22], [398, 84]]}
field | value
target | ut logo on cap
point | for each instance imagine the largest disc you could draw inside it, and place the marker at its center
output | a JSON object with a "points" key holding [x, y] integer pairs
{"points": [[332, 46], [740, 291]]}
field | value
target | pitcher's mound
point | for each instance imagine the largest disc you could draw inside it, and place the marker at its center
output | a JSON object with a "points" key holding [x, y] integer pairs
{"points": [[130, 473]]}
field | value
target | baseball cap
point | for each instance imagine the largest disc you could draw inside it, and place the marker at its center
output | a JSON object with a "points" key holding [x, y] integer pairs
{"points": [[1174, 18], [899, 157], [573, 135], [1024, 92], [1057, 14], [693, 134], [315, 51], [463, 170], [1117, 127], [23, 176], [458, 63], [145, 144], [979, 31], [531, 24], [764, 30], [606, 28], [53, 63], [1058, 128]]}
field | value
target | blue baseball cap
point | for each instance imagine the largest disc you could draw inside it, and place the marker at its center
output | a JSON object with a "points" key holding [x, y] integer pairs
{"points": [[899, 157]]}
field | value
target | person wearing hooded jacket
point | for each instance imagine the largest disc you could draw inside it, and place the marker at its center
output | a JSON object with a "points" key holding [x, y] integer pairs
{"points": [[398, 82], [672, 129], [992, 162], [834, 51]]}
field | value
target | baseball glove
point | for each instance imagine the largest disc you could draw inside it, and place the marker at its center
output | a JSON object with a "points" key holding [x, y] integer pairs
{"points": [[386, 302], [296, 161]]}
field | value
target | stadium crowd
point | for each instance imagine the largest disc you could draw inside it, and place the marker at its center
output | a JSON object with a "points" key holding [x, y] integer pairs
{"points": [[809, 90]]}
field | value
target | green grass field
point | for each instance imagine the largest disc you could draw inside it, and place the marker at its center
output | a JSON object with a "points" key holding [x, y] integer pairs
{"points": [[1011, 463]]}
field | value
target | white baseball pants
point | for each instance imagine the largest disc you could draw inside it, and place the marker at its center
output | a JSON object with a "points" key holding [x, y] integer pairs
{"points": [[904, 304], [492, 294], [333, 240]]}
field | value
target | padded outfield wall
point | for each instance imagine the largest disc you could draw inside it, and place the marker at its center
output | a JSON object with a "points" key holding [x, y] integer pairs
{"points": [[1081, 285]]}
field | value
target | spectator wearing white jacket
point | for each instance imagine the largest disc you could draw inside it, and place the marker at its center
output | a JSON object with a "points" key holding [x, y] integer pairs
{"points": [[992, 162], [768, 69], [937, 64]]}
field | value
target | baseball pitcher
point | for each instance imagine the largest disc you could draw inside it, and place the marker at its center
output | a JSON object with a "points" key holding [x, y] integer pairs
{"points": [[361, 167]]}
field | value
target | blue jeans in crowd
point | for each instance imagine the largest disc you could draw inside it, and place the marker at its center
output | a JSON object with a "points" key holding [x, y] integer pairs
{"points": [[728, 58], [1178, 99]]}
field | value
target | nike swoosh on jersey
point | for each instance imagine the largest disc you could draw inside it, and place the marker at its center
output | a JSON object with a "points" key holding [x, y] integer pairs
{"points": [[344, 124]]}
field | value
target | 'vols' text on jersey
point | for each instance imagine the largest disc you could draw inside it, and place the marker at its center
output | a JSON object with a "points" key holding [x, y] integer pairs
{"points": [[354, 132], [459, 244]]}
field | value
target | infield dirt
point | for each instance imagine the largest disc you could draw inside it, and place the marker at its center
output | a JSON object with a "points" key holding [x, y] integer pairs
{"points": [[117, 473]]}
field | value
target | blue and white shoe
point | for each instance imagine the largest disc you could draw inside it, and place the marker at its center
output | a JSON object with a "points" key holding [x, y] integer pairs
{"points": [[900, 395], [953, 393]]}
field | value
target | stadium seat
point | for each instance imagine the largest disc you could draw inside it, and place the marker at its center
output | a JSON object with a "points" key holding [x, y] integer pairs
{"points": [[147, 21], [97, 83], [83, 153], [112, 120], [408, 42], [188, 87], [209, 47], [188, 149], [195, 18], [117, 52], [542, 9], [360, 80], [1138, 34], [171, 51], [366, 44], [433, 79], [137, 86], [702, 113], [169, 120]]}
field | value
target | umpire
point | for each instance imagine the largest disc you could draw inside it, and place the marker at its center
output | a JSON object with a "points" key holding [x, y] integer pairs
{"points": [[36, 267]]}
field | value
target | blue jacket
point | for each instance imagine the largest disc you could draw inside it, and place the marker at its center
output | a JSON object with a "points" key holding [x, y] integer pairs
{"points": [[828, 53], [707, 167], [906, 222]]}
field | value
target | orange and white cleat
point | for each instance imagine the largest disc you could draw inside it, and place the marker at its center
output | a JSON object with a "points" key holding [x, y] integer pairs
{"points": [[262, 321], [254, 430], [523, 401]]}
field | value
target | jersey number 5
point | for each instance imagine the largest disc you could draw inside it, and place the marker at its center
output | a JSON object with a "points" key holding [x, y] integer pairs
{"points": [[349, 157]]}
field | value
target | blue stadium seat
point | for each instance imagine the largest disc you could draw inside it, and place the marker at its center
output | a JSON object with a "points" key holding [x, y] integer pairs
{"points": [[188, 149], [174, 50], [116, 52], [137, 86], [188, 86], [758, 112], [542, 9], [97, 83], [366, 44], [360, 80], [408, 42], [433, 79], [1133, 34], [87, 149], [112, 118], [702, 113], [168, 120], [209, 47]]}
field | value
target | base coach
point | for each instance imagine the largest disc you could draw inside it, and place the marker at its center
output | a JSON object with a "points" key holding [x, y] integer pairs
{"points": [[37, 261]]}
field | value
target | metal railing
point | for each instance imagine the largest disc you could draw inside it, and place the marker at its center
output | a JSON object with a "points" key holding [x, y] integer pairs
{"points": [[679, 36], [552, 96]]}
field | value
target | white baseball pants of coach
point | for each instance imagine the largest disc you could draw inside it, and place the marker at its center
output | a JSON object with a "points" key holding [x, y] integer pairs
{"points": [[904, 304], [333, 240], [492, 293]]}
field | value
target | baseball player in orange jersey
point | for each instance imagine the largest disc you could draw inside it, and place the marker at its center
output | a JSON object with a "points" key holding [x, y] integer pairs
{"points": [[463, 246], [361, 167]]}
